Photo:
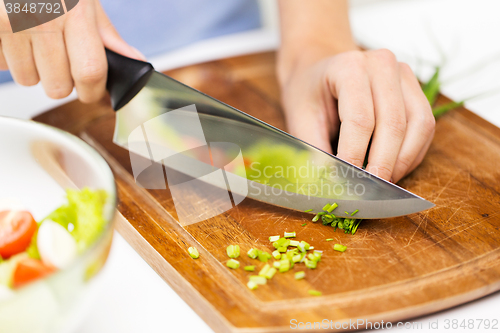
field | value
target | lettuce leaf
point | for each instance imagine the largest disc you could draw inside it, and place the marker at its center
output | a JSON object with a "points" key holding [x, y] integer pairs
{"points": [[82, 216]]}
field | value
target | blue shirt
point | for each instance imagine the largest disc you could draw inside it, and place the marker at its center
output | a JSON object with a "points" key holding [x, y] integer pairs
{"points": [[158, 26]]}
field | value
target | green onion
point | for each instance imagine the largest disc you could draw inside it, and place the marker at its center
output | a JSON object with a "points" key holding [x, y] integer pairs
{"points": [[276, 254], [276, 264], [249, 268], [270, 273], [304, 224], [233, 251], [296, 258], [315, 293], [252, 285], [329, 239], [290, 234], [234, 264], [264, 270], [301, 247], [311, 247], [339, 247], [326, 207], [193, 252], [264, 256], [307, 211], [274, 238], [332, 207], [294, 242], [282, 249], [356, 227], [300, 275], [306, 245], [253, 253], [284, 266], [258, 279], [315, 218], [311, 264], [354, 213]]}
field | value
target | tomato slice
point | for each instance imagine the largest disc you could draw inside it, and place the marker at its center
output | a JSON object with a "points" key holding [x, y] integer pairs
{"points": [[16, 230], [29, 270]]}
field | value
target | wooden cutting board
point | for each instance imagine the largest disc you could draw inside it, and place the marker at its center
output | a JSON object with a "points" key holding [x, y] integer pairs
{"points": [[393, 269]]}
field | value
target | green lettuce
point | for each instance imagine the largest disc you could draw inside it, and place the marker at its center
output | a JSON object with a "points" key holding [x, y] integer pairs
{"points": [[82, 216]]}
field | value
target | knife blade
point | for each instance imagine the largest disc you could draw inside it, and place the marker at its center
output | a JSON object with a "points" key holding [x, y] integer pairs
{"points": [[178, 136]]}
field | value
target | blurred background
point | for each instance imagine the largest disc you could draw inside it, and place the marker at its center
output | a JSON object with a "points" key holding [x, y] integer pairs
{"points": [[459, 36]]}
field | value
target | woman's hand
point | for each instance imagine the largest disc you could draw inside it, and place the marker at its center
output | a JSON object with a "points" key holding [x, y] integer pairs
{"points": [[361, 96], [64, 53]]}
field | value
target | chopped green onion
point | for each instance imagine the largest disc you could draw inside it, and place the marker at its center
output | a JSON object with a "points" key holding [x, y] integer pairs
{"points": [[294, 242], [326, 207], [315, 218], [290, 234], [264, 256], [306, 245], [315, 293], [311, 247], [284, 266], [249, 268], [253, 253], [270, 273], [252, 285], [282, 249], [311, 264], [332, 207], [276, 254], [356, 227], [264, 270], [258, 279], [354, 213], [296, 258], [304, 224], [274, 238], [329, 239], [300, 275], [307, 211], [193, 252], [301, 247], [339, 247], [234, 264], [276, 264], [233, 251]]}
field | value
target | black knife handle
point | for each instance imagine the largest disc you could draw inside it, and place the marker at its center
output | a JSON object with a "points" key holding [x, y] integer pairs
{"points": [[126, 77]]}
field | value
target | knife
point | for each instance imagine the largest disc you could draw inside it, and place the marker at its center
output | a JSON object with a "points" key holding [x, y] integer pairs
{"points": [[182, 139]]}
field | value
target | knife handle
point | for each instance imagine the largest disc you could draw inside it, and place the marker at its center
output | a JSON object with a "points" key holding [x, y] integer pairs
{"points": [[126, 77]]}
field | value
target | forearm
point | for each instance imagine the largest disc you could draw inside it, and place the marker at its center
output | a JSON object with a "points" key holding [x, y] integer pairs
{"points": [[310, 31]]}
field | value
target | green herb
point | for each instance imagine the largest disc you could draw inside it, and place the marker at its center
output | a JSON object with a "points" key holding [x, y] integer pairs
{"points": [[306, 245], [274, 238], [304, 224], [233, 251], [270, 273], [354, 213], [284, 266], [253, 253], [311, 264], [307, 211], [294, 243], [193, 252], [329, 239], [258, 279], [282, 249], [234, 264], [264, 256], [276, 264], [326, 207], [276, 254], [316, 218], [264, 270], [252, 285], [290, 234], [300, 275], [339, 247], [249, 268], [315, 293], [332, 207]]}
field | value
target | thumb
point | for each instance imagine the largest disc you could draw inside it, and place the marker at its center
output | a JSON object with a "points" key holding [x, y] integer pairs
{"points": [[111, 38]]}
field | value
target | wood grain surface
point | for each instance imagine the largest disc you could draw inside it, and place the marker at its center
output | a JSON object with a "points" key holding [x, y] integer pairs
{"points": [[393, 269]]}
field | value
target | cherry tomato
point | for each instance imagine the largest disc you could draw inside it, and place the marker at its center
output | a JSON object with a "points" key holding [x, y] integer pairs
{"points": [[16, 230], [29, 270]]}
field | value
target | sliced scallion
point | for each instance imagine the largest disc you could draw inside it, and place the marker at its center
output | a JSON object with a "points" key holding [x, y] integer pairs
{"points": [[276, 254], [294, 242], [307, 211], [270, 273], [193, 252], [300, 275], [252, 285], [264, 270], [233, 251], [329, 239], [249, 268], [253, 253], [274, 238], [339, 247], [234, 264], [290, 234], [258, 279], [315, 293]]}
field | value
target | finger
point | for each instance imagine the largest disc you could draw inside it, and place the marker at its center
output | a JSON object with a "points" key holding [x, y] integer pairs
{"points": [[3, 62], [86, 52], [355, 111], [390, 117], [18, 55], [53, 64], [420, 124], [110, 37]]}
